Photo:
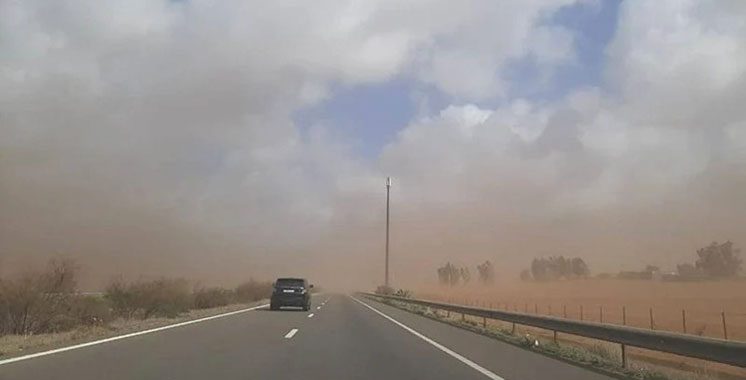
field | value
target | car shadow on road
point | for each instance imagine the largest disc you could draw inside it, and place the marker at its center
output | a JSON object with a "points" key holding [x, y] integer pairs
{"points": [[295, 309]]}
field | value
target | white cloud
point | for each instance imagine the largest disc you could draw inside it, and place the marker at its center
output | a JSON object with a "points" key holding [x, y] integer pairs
{"points": [[684, 62]]}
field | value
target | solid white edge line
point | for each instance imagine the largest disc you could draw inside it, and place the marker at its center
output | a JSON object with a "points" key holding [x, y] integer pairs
{"points": [[310, 315], [125, 336], [437, 345], [291, 333]]}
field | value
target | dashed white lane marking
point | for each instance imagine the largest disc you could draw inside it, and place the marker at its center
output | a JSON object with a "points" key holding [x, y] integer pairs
{"points": [[318, 307], [459, 357], [310, 315], [125, 336], [291, 333]]}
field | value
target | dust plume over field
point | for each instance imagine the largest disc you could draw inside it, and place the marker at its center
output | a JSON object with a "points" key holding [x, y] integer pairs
{"points": [[168, 139]]}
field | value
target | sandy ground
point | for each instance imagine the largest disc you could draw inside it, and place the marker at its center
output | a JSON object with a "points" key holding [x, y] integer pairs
{"points": [[17, 345]]}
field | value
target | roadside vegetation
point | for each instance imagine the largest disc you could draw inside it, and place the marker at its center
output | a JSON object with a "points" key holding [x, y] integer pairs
{"points": [[389, 291], [49, 302], [598, 357]]}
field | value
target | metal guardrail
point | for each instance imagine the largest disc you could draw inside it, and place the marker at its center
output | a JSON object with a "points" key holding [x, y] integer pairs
{"points": [[717, 350]]}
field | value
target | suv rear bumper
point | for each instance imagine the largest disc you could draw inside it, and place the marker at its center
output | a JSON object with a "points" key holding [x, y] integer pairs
{"points": [[300, 300]]}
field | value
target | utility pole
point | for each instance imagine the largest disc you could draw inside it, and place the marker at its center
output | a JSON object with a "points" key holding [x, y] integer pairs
{"points": [[388, 190]]}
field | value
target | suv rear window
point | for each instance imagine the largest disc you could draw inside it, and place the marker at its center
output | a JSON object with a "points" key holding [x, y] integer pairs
{"points": [[294, 282]]}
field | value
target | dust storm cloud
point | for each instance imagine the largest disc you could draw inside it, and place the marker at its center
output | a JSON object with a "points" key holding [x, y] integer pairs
{"points": [[149, 139]]}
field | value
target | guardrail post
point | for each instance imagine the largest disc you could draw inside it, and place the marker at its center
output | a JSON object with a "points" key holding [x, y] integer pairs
{"points": [[624, 348], [555, 336], [484, 322], [581, 312], [725, 327], [652, 324], [512, 330], [683, 320], [564, 311]]}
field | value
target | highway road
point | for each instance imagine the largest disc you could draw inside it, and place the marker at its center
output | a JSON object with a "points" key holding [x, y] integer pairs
{"points": [[341, 337]]}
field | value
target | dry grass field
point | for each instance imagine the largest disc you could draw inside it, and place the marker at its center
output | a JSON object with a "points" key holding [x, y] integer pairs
{"points": [[701, 304]]}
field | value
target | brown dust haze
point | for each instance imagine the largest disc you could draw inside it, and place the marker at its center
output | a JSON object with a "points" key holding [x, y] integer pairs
{"points": [[176, 140]]}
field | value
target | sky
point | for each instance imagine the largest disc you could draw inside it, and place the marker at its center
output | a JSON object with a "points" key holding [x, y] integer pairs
{"points": [[225, 140]]}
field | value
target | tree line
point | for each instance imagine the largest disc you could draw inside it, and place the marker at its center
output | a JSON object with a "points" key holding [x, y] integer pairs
{"points": [[714, 261], [451, 275], [555, 268]]}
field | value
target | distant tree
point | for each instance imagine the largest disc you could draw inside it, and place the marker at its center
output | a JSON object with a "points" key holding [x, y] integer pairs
{"points": [[465, 275], [719, 260], [561, 266], [556, 267], [541, 269], [443, 276], [652, 268], [486, 273], [449, 275], [579, 267], [526, 275], [454, 275]]}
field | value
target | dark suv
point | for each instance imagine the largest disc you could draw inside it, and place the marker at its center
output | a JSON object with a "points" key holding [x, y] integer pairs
{"points": [[291, 292]]}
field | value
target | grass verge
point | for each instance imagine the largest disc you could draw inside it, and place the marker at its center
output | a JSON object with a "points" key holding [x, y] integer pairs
{"points": [[19, 345]]}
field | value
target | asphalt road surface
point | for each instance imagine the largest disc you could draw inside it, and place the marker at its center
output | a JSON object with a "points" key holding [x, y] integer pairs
{"points": [[345, 338]]}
